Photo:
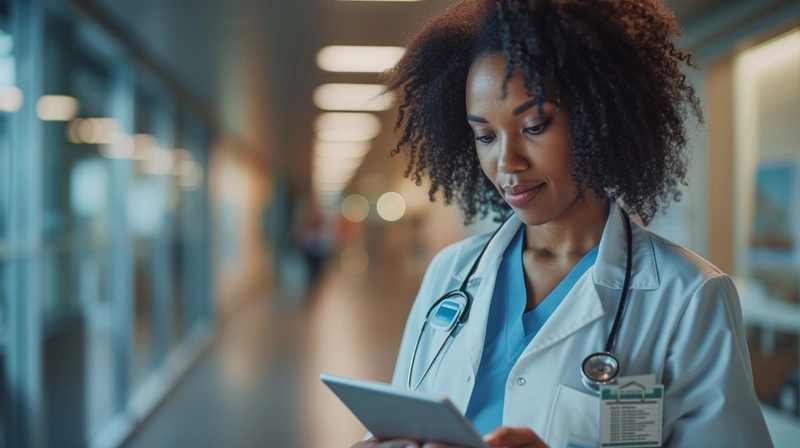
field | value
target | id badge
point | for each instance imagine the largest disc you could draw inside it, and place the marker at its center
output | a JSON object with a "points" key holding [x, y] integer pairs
{"points": [[631, 414]]}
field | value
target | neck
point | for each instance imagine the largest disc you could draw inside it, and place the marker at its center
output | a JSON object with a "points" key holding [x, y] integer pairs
{"points": [[576, 232]]}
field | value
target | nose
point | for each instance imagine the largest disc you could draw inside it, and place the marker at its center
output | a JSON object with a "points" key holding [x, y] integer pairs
{"points": [[511, 158]]}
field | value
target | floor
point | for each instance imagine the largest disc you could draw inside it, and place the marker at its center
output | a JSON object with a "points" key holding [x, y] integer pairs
{"points": [[258, 386]]}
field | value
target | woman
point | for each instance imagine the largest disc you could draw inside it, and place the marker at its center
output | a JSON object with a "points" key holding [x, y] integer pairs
{"points": [[566, 115]]}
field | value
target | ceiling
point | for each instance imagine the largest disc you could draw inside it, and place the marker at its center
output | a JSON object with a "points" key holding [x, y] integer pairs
{"points": [[253, 61]]}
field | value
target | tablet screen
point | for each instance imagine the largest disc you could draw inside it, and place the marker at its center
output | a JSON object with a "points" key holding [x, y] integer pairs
{"points": [[389, 413]]}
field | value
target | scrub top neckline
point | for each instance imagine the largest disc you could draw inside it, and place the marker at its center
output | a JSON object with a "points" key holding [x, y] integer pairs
{"points": [[509, 330], [533, 320]]}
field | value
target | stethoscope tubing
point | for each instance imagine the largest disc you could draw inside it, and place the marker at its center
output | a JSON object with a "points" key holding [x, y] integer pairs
{"points": [[462, 291], [612, 336]]}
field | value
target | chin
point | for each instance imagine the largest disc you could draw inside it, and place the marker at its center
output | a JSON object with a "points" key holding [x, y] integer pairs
{"points": [[533, 217]]}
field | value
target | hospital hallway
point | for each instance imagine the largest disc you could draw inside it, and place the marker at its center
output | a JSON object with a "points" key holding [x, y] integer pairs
{"points": [[258, 385], [202, 209]]}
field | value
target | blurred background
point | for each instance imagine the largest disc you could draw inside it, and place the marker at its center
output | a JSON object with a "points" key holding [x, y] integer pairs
{"points": [[198, 213]]}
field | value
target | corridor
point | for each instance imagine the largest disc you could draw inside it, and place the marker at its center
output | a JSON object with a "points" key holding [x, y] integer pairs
{"points": [[258, 384]]}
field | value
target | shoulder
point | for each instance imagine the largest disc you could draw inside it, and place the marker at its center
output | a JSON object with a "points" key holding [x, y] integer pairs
{"points": [[691, 284], [673, 260], [456, 256]]}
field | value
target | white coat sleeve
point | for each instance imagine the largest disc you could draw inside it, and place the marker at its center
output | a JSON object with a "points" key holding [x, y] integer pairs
{"points": [[709, 398]]}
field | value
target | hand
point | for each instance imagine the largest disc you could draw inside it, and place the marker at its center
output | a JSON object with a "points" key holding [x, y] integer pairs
{"points": [[397, 443], [503, 437], [506, 437]]}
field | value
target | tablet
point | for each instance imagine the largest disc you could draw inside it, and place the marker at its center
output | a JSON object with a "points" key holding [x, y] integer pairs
{"points": [[390, 412]]}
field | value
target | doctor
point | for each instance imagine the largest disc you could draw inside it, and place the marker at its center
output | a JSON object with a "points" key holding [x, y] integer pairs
{"points": [[567, 117]]}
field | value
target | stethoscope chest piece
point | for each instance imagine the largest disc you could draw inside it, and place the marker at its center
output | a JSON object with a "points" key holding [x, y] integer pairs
{"points": [[599, 368], [448, 313]]}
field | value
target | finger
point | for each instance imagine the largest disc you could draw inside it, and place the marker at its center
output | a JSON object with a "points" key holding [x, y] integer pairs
{"points": [[437, 445], [398, 443], [514, 438]]}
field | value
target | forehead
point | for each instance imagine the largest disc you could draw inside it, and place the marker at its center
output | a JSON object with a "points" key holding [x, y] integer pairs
{"points": [[485, 83]]}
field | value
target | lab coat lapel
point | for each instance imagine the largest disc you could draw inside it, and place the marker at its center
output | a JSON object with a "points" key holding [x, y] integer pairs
{"points": [[583, 304], [481, 286], [580, 307], [609, 270]]}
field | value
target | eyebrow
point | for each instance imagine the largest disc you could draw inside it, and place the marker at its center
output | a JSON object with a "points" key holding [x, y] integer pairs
{"points": [[476, 119], [527, 105], [517, 110]]}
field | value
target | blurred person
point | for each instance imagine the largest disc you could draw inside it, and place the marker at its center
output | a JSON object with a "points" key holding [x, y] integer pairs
{"points": [[313, 235], [562, 118]]}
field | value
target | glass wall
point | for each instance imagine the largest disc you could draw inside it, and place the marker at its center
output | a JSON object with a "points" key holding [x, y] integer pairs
{"points": [[10, 97], [122, 276], [150, 226]]}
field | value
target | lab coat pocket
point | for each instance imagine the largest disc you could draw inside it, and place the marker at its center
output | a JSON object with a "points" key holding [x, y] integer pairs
{"points": [[574, 414]]}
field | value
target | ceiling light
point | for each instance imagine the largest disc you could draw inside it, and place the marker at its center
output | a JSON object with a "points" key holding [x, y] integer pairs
{"points": [[347, 126], [783, 49], [358, 59], [121, 147], [57, 108], [341, 149], [336, 164], [329, 188], [10, 98], [355, 97], [333, 178]]}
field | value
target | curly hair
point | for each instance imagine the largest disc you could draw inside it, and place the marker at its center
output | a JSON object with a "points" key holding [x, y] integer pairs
{"points": [[614, 62]]}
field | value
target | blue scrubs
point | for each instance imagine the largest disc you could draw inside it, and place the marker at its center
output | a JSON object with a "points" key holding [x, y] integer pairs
{"points": [[509, 330]]}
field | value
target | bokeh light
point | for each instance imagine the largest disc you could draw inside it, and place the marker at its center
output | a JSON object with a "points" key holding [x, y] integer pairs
{"points": [[355, 97], [354, 260], [347, 126], [391, 206], [358, 59], [57, 108], [11, 98], [355, 208]]}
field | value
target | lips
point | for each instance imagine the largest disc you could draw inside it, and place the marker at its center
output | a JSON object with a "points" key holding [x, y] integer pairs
{"points": [[520, 195]]}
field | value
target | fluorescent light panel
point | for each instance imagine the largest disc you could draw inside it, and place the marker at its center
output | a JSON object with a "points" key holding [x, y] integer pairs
{"points": [[11, 98], [358, 59], [347, 126], [336, 164], [341, 149], [352, 97], [57, 108]]}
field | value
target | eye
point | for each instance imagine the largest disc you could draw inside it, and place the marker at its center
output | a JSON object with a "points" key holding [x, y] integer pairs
{"points": [[538, 129], [485, 139]]}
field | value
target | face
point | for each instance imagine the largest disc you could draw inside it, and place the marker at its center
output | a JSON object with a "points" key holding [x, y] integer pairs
{"points": [[526, 155]]}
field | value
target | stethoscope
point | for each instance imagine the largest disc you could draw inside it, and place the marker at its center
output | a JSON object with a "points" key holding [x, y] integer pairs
{"points": [[451, 312]]}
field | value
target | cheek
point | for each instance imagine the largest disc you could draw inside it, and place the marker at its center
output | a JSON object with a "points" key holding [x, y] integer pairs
{"points": [[486, 162]]}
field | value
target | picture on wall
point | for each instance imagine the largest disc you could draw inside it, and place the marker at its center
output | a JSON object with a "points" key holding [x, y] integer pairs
{"points": [[773, 208]]}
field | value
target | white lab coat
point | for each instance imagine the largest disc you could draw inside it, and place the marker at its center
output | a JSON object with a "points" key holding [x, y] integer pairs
{"points": [[682, 322]]}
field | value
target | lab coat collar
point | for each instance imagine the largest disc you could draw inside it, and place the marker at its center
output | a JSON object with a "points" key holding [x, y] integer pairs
{"points": [[609, 269], [494, 251], [583, 304]]}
